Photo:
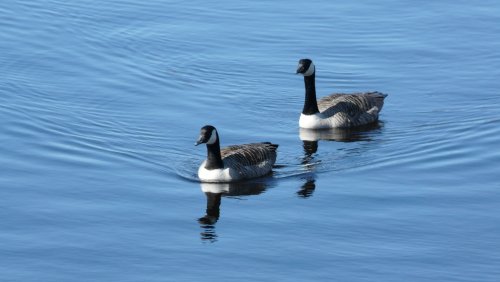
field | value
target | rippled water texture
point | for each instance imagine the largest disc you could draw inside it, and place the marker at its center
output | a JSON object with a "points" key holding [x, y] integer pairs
{"points": [[101, 102]]}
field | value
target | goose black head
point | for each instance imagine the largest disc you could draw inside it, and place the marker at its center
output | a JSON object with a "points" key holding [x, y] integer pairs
{"points": [[305, 67], [208, 135]]}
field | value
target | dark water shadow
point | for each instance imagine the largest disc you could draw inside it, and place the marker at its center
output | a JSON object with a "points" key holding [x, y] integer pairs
{"points": [[214, 193]]}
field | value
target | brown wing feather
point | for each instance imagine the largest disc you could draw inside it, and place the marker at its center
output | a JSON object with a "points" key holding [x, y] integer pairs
{"points": [[358, 102], [352, 109], [250, 154]]}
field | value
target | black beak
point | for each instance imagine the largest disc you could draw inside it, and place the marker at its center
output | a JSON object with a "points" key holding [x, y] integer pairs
{"points": [[199, 141], [300, 69]]}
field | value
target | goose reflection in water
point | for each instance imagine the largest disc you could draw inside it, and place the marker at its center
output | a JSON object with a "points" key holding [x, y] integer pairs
{"points": [[310, 138], [307, 189], [214, 193]]}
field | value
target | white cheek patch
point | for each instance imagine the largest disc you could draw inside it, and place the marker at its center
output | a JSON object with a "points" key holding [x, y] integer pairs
{"points": [[213, 137], [310, 70]]}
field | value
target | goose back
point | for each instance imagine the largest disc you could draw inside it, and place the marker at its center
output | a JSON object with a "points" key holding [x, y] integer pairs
{"points": [[250, 160], [349, 110]]}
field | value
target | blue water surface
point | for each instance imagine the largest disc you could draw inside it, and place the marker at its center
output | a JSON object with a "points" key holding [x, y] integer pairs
{"points": [[101, 102]]}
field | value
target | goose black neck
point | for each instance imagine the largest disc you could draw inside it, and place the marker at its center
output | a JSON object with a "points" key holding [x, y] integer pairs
{"points": [[310, 104], [214, 159]]}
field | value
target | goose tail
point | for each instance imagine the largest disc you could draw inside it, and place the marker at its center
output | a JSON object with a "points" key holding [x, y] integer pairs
{"points": [[377, 100], [379, 95], [271, 145]]}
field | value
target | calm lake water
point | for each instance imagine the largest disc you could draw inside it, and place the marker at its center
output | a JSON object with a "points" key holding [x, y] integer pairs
{"points": [[101, 102]]}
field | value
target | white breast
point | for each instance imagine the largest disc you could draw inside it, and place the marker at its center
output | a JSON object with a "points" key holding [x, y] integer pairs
{"points": [[217, 175], [317, 121]]}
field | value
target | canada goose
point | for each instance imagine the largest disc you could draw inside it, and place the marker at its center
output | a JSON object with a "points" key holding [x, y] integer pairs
{"points": [[336, 110], [235, 162]]}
